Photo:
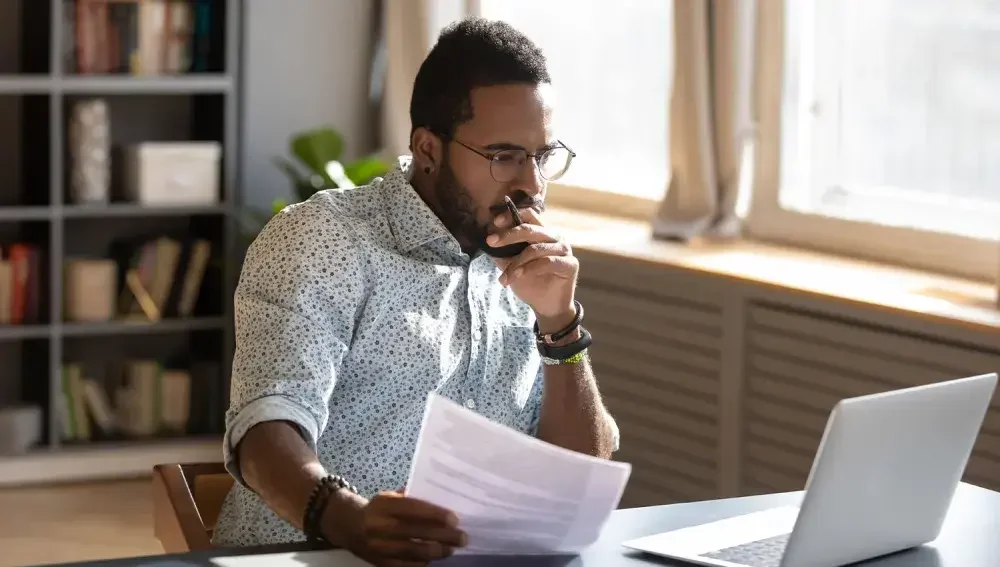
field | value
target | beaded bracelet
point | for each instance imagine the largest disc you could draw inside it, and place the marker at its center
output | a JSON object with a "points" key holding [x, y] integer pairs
{"points": [[318, 500]]}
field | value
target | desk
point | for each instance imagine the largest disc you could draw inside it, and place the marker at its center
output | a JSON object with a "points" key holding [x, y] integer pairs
{"points": [[970, 538]]}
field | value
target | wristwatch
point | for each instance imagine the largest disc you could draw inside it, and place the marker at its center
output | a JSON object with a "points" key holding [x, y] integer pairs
{"points": [[571, 353]]}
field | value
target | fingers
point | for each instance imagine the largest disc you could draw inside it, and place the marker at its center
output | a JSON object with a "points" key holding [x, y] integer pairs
{"points": [[398, 506], [411, 550], [515, 267], [525, 233], [397, 528], [564, 267], [528, 216]]}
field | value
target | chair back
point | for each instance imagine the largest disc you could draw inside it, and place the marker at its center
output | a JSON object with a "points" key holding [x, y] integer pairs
{"points": [[186, 503]]}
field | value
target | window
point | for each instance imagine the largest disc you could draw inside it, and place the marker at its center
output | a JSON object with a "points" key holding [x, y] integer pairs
{"points": [[890, 121], [611, 66]]}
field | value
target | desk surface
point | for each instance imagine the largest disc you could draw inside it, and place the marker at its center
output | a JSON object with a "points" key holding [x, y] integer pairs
{"points": [[969, 538]]}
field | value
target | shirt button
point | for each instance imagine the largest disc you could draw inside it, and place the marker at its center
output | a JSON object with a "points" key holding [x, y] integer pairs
{"points": [[476, 335], [470, 403]]}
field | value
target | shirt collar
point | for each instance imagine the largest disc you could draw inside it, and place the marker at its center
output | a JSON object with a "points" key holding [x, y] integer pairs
{"points": [[413, 222]]}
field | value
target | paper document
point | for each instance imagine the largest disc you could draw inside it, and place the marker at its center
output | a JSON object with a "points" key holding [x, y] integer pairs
{"points": [[513, 493]]}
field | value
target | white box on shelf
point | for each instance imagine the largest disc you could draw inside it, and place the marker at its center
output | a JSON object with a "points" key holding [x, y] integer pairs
{"points": [[172, 173]]}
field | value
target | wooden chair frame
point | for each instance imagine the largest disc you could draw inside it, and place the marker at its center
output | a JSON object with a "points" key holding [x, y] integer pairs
{"points": [[186, 502]]}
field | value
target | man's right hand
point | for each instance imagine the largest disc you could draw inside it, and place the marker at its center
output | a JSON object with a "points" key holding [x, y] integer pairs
{"points": [[394, 530]]}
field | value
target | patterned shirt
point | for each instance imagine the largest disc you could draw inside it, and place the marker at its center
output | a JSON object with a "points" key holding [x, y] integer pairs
{"points": [[351, 308]]}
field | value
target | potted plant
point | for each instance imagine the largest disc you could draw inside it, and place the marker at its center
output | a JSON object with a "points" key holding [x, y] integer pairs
{"points": [[315, 165]]}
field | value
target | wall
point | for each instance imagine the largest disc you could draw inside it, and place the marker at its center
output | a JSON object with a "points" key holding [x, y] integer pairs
{"points": [[306, 64], [722, 387]]}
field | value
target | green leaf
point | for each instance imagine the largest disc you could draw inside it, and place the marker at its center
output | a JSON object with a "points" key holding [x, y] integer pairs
{"points": [[363, 170], [315, 148], [277, 205]]}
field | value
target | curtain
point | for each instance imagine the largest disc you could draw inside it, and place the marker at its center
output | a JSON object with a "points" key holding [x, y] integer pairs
{"points": [[403, 42], [711, 127]]}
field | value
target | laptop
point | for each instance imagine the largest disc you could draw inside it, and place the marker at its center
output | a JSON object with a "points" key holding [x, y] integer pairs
{"points": [[883, 478]]}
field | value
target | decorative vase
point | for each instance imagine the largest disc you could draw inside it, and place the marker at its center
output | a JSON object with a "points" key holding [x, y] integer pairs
{"points": [[90, 152]]}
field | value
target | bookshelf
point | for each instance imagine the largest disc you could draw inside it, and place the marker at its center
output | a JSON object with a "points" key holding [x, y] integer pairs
{"points": [[42, 76]]}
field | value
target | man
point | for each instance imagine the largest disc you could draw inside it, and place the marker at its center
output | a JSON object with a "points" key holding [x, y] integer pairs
{"points": [[355, 305]]}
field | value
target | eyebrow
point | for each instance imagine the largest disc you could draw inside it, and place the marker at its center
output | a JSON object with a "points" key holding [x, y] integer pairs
{"points": [[498, 146]]}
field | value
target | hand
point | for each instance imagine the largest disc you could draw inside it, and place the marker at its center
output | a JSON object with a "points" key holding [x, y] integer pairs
{"points": [[394, 530], [544, 275]]}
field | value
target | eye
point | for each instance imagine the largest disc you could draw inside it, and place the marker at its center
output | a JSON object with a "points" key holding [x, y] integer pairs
{"points": [[509, 157]]}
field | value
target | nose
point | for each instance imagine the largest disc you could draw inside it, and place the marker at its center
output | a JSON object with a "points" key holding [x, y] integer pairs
{"points": [[529, 179]]}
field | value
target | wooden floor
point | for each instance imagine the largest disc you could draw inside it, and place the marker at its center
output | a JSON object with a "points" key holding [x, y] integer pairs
{"points": [[76, 522]]}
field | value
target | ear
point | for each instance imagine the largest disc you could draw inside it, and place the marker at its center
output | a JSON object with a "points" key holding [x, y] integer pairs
{"points": [[427, 150]]}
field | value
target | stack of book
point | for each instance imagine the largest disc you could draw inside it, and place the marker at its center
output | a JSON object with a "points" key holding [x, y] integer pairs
{"points": [[153, 278], [139, 37], [139, 399]]}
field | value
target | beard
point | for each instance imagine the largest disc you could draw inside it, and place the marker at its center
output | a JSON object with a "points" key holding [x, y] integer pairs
{"points": [[457, 210]]}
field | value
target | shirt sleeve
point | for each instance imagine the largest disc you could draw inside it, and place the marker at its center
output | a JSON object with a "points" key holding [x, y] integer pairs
{"points": [[296, 303]]}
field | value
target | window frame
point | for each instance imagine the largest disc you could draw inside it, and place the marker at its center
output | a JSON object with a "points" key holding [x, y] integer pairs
{"points": [[592, 199], [767, 220], [600, 201]]}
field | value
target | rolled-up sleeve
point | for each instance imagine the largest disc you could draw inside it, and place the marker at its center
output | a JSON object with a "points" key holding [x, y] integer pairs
{"points": [[299, 295]]}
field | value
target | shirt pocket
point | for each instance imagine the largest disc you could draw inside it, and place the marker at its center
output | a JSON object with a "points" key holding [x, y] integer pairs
{"points": [[519, 364]]}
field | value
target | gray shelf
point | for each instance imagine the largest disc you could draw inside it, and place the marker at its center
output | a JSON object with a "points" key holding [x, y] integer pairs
{"points": [[131, 210], [127, 84], [206, 83], [18, 214], [24, 332], [119, 328], [165, 107], [25, 84]]}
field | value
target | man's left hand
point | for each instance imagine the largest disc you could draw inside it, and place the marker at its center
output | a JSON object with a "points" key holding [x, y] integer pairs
{"points": [[544, 274]]}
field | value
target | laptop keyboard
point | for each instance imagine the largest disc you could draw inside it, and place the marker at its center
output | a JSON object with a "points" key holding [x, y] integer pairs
{"points": [[760, 553]]}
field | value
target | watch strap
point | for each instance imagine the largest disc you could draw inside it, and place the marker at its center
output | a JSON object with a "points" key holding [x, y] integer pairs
{"points": [[571, 353]]}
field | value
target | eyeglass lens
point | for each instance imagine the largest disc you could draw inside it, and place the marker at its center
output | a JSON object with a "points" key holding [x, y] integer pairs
{"points": [[508, 164]]}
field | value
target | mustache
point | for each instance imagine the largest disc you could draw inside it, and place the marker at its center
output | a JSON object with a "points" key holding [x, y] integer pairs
{"points": [[521, 201]]}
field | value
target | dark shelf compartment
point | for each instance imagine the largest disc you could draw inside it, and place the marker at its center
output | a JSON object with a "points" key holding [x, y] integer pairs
{"points": [[24, 380], [25, 164], [178, 118], [118, 238], [25, 31], [195, 354]]}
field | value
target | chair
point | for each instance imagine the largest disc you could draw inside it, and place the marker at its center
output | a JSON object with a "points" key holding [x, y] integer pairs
{"points": [[186, 504]]}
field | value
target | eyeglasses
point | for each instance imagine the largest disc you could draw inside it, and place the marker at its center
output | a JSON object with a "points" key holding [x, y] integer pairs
{"points": [[507, 165]]}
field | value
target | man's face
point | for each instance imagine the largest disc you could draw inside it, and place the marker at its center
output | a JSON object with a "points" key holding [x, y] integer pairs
{"points": [[470, 187]]}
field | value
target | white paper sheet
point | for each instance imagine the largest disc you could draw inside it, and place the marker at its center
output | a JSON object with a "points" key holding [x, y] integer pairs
{"points": [[513, 493]]}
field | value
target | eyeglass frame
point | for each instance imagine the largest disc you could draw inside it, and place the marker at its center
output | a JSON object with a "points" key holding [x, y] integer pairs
{"points": [[533, 156]]}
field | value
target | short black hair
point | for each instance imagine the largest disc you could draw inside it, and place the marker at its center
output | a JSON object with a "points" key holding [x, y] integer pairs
{"points": [[472, 52]]}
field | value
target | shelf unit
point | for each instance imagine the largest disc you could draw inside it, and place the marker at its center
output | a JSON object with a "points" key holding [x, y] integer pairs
{"points": [[37, 90]]}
